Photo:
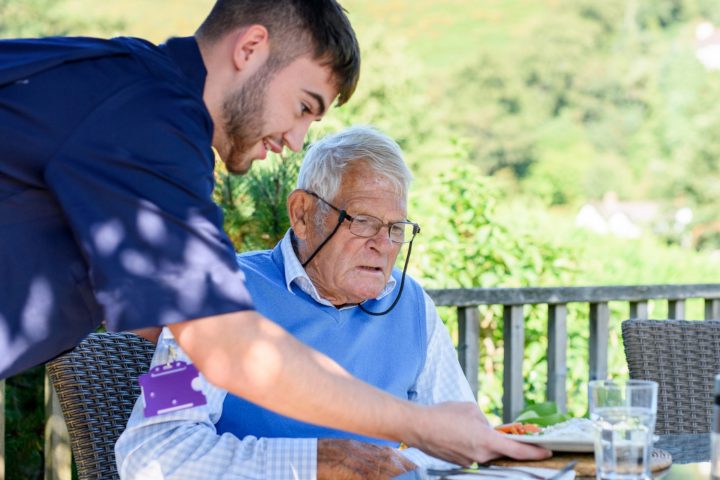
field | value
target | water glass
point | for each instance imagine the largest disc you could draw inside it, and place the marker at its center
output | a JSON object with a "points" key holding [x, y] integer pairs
{"points": [[624, 415]]}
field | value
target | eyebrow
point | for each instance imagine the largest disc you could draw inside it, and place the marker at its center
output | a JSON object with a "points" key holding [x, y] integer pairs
{"points": [[319, 99], [390, 222]]}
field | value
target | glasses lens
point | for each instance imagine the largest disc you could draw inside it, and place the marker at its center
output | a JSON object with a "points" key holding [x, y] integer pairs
{"points": [[365, 225], [401, 232], [368, 226]]}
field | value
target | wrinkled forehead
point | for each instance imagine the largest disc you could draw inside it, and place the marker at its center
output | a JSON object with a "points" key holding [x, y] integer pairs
{"points": [[372, 193], [360, 176]]}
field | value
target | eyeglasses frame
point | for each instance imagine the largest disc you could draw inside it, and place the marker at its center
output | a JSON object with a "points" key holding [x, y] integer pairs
{"points": [[346, 216]]}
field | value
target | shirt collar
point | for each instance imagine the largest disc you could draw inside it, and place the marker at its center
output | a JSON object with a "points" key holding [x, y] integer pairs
{"points": [[295, 273], [185, 52]]}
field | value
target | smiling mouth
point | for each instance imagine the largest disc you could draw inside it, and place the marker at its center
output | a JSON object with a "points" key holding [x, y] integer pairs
{"points": [[271, 146]]}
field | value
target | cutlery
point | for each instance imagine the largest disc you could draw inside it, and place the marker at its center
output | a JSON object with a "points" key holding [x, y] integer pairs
{"points": [[563, 470], [499, 471]]}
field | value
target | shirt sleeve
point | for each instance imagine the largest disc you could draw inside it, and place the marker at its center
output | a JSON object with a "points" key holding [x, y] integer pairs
{"points": [[184, 445], [135, 182], [441, 379]]}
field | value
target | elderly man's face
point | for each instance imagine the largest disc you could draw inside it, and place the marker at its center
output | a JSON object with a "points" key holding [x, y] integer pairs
{"points": [[351, 269]]}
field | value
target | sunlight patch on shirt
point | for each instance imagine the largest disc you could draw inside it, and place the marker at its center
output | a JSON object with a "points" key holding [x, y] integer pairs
{"points": [[37, 310], [107, 236], [151, 227]]}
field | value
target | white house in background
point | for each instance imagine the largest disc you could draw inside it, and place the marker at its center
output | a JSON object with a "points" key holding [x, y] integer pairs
{"points": [[620, 219], [707, 45]]}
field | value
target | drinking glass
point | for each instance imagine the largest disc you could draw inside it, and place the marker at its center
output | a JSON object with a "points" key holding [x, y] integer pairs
{"points": [[624, 415]]}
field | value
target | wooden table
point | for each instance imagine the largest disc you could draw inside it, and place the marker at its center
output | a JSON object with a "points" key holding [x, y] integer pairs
{"points": [[690, 452]]}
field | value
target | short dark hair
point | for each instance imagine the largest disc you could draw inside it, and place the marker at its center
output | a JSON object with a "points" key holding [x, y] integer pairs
{"points": [[295, 27]]}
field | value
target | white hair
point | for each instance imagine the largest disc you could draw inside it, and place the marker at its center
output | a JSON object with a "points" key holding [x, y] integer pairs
{"points": [[326, 160]]}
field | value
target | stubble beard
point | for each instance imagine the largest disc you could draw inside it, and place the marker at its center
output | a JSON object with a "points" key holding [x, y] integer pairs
{"points": [[243, 112]]}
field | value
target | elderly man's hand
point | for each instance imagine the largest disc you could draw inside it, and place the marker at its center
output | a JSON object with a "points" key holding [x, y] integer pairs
{"points": [[459, 432], [355, 460]]}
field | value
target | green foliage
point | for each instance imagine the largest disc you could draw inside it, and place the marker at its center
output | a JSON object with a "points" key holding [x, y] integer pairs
{"points": [[391, 97], [464, 243], [594, 97], [254, 205], [25, 417], [33, 18]]}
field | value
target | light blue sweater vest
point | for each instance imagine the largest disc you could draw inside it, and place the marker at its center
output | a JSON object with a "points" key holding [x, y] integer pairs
{"points": [[386, 351]]}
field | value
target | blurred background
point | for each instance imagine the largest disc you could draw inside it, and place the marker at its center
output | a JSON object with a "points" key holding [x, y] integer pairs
{"points": [[554, 142]]}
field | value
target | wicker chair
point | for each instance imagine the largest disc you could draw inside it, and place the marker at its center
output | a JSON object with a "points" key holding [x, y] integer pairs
{"points": [[683, 357], [97, 387]]}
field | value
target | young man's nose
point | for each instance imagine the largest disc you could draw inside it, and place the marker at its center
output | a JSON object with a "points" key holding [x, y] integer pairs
{"points": [[295, 137]]}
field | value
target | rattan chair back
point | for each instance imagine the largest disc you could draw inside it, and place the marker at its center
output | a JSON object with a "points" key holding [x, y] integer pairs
{"points": [[97, 386], [683, 356]]}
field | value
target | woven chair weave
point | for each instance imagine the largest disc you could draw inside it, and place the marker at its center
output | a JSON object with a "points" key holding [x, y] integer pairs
{"points": [[96, 384], [683, 357]]}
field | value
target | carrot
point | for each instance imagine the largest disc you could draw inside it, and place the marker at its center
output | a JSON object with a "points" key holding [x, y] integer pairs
{"points": [[507, 428], [532, 428], [518, 428]]}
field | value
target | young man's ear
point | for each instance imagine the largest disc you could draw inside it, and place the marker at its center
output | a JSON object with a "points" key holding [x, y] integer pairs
{"points": [[299, 206], [251, 48]]}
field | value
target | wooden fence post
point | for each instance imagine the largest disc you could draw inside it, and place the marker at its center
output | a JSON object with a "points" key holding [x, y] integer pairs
{"points": [[712, 309], [514, 352], [468, 344], [557, 355], [676, 310], [599, 336], [58, 457]]}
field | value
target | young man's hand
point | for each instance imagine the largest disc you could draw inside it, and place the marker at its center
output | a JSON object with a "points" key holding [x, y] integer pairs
{"points": [[459, 432]]}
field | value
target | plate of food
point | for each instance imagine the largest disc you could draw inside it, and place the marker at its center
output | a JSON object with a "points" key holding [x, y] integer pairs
{"points": [[545, 426], [573, 435]]}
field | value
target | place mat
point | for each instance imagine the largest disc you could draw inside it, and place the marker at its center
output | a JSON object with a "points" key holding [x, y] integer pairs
{"points": [[659, 460]]}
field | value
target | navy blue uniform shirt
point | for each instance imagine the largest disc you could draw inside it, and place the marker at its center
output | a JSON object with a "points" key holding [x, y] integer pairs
{"points": [[106, 177]]}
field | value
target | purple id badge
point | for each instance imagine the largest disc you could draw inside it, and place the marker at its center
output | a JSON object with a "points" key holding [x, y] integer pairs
{"points": [[170, 387]]}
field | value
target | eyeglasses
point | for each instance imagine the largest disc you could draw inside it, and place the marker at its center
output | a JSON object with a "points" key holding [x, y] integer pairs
{"points": [[367, 226]]}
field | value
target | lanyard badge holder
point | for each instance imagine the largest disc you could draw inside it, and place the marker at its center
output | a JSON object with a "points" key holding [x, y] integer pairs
{"points": [[172, 386]]}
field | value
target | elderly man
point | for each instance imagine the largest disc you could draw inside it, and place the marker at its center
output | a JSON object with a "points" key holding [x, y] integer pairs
{"points": [[331, 283]]}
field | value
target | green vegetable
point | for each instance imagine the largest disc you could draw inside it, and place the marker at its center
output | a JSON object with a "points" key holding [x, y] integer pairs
{"points": [[527, 416], [542, 409], [542, 414], [550, 419]]}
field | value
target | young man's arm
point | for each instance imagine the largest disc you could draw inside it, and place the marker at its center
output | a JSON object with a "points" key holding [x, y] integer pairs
{"points": [[250, 356]]}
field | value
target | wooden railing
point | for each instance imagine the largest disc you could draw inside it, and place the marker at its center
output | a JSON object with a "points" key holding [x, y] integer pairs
{"points": [[513, 301], [467, 301]]}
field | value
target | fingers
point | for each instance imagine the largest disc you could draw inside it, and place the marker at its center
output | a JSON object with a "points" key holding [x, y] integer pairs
{"points": [[462, 435], [517, 450]]}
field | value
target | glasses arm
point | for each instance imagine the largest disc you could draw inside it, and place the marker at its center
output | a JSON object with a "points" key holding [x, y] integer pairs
{"points": [[343, 215], [342, 212]]}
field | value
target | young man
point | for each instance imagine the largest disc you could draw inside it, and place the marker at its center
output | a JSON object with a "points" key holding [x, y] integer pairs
{"points": [[106, 173]]}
